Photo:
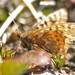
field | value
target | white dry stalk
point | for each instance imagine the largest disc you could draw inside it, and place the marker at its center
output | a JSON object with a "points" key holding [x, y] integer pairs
{"points": [[32, 9], [7, 35], [46, 3], [12, 16]]}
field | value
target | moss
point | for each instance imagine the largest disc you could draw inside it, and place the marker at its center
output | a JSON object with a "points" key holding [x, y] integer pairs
{"points": [[46, 11], [58, 61], [3, 15], [10, 67]]}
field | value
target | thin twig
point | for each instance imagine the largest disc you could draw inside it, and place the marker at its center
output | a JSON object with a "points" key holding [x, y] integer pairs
{"points": [[12, 16]]}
